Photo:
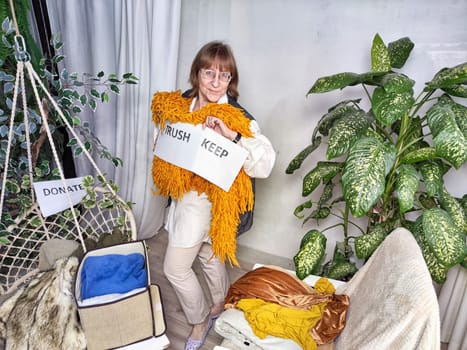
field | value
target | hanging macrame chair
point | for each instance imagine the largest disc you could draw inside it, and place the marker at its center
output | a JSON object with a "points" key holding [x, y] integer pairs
{"points": [[100, 212]]}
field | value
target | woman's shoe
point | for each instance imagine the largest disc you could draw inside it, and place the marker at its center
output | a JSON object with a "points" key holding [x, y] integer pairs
{"points": [[193, 344]]}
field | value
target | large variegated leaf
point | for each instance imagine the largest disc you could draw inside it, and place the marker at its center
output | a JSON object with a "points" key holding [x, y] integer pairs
{"points": [[341, 269], [448, 77], [451, 145], [399, 51], [455, 210], [363, 177], [448, 139], [345, 131], [308, 259], [333, 82], [446, 241], [419, 155], [327, 121], [397, 82], [456, 90], [380, 60], [460, 113], [432, 174], [324, 171], [407, 182], [394, 99], [438, 271], [390, 106], [439, 114], [312, 235], [299, 158], [366, 244], [298, 210], [342, 80]]}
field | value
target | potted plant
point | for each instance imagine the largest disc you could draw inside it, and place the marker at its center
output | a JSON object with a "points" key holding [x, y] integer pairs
{"points": [[386, 165]]}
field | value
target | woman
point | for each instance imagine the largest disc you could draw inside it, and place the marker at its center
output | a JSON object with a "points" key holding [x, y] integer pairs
{"points": [[203, 220]]}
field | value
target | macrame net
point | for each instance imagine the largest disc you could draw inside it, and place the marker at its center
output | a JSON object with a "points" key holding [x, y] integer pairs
{"points": [[100, 212]]}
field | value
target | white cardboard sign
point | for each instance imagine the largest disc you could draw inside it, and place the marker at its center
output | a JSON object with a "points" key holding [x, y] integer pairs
{"points": [[52, 195], [202, 151]]}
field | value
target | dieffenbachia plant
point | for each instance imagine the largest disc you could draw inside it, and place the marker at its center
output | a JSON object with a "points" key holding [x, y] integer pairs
{"points": [[387, 163]]}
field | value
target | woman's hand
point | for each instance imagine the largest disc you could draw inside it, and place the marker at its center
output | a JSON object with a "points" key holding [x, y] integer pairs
{"points": [[218, 126]]}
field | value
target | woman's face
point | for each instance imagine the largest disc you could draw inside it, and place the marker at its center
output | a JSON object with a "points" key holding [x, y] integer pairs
{"points": [[213, 84]]}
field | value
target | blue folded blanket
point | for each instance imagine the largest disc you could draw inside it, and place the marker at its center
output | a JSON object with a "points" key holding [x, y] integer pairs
{"points": [[112, 273]]}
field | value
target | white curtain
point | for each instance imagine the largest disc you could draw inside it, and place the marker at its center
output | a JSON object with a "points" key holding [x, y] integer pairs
{"points": [[453, 308], [119, 36]]}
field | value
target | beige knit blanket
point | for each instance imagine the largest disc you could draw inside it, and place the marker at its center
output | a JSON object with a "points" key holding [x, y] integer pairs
{"points": [[393, 304]]}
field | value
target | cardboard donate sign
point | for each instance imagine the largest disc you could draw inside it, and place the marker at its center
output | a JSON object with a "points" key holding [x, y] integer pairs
{"points": [[52, 195], [202, 151]]}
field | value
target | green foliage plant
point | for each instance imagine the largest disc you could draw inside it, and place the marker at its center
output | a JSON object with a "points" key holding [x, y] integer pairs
{"points": [[386, 165], [73, 92], [22, 11]]}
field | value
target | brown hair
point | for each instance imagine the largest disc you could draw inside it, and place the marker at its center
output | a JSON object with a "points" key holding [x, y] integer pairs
{"points": [[219, 52]]}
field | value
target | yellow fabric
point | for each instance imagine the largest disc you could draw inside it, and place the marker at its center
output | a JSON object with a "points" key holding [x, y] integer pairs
{"points": [[174, 181], [273, 319], [323, 286]]}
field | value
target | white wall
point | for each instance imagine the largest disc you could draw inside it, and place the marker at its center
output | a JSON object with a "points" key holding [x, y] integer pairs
{"points": [[282, 47]]}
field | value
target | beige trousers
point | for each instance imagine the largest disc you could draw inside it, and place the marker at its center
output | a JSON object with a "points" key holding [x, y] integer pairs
{"points": [[178, 268]]}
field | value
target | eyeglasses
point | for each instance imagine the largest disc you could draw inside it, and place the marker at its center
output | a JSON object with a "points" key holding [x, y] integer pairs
{"points": [[210, 75]]}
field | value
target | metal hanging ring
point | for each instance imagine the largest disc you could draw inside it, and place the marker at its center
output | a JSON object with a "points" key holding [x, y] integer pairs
{"points": [[20, 49]]}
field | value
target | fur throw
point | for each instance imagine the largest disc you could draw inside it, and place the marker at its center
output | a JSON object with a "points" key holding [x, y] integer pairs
{"points": [[43, 314]]}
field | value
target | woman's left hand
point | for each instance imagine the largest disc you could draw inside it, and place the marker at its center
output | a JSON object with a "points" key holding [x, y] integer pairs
{"points": [[219, 126]]}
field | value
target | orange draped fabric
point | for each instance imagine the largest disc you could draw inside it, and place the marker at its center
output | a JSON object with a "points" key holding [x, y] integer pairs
{"points": [[280, 287], [174, 181]]}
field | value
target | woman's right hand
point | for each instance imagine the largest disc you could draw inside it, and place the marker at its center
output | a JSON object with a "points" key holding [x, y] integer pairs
{"points": [[219, 126]]}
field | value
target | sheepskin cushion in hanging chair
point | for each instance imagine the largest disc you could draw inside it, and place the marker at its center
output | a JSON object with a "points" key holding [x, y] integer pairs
{"points": [[42, 314]]}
